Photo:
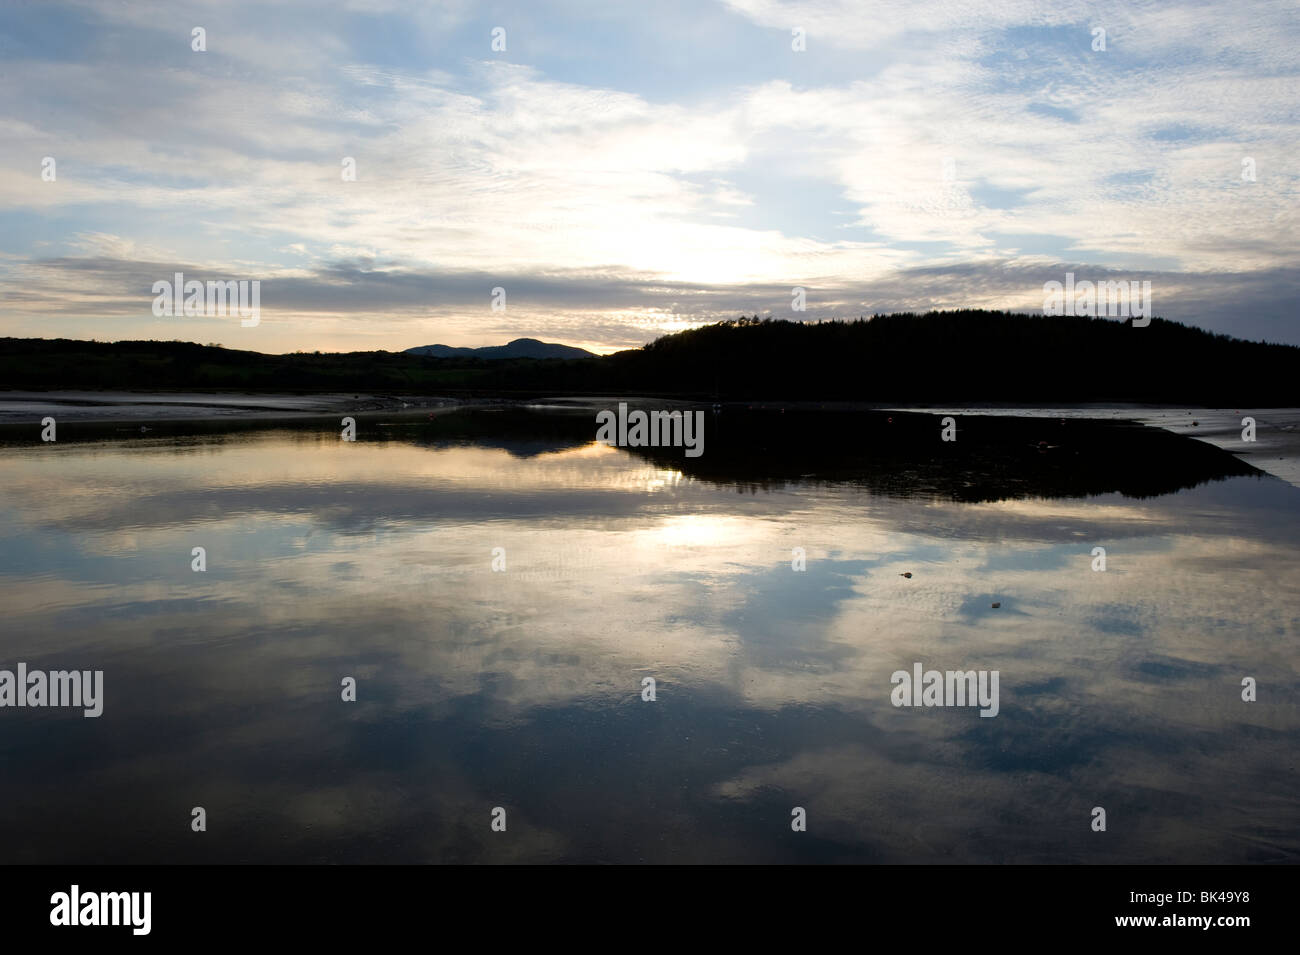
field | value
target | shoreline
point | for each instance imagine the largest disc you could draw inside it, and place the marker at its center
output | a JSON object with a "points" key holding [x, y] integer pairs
{"points": [[1276, 449]]}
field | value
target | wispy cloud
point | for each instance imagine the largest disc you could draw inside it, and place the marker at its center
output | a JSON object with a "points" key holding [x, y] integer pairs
{"points": [[623, 172]]}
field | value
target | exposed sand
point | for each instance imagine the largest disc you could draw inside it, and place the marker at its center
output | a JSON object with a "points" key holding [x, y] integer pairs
{"points": [[1276, 448], [88, 406]]}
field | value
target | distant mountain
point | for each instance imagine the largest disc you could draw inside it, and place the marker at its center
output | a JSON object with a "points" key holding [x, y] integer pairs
{"points": [[519, 348]]}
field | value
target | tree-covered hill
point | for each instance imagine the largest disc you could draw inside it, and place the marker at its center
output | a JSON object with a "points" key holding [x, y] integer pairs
{"points": [[962, 356]]}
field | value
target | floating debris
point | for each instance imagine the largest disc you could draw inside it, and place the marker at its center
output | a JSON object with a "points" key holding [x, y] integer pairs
{"points": [[997, 604], [907, 574]]}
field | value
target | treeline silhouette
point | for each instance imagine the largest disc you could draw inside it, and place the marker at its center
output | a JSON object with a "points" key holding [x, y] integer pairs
{"points": [[956, 356]]}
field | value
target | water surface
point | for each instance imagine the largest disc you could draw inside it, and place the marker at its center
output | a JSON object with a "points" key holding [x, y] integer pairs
{"points": [[521, 688]]}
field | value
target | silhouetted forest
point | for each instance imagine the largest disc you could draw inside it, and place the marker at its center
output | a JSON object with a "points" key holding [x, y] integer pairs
{"points": [[961, 356]]}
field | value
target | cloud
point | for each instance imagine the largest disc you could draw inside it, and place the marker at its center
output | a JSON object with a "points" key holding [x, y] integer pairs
{"points": [[928, 154]]}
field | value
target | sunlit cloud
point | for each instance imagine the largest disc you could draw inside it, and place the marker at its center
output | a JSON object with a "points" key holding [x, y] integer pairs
{"points": [[631, 173]]}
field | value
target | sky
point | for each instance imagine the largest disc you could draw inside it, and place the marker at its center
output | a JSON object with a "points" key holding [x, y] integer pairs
{"points": [[625, 170]]}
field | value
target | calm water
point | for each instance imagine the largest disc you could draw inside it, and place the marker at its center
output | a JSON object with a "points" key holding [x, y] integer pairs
{"points": [[522, 688]]}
